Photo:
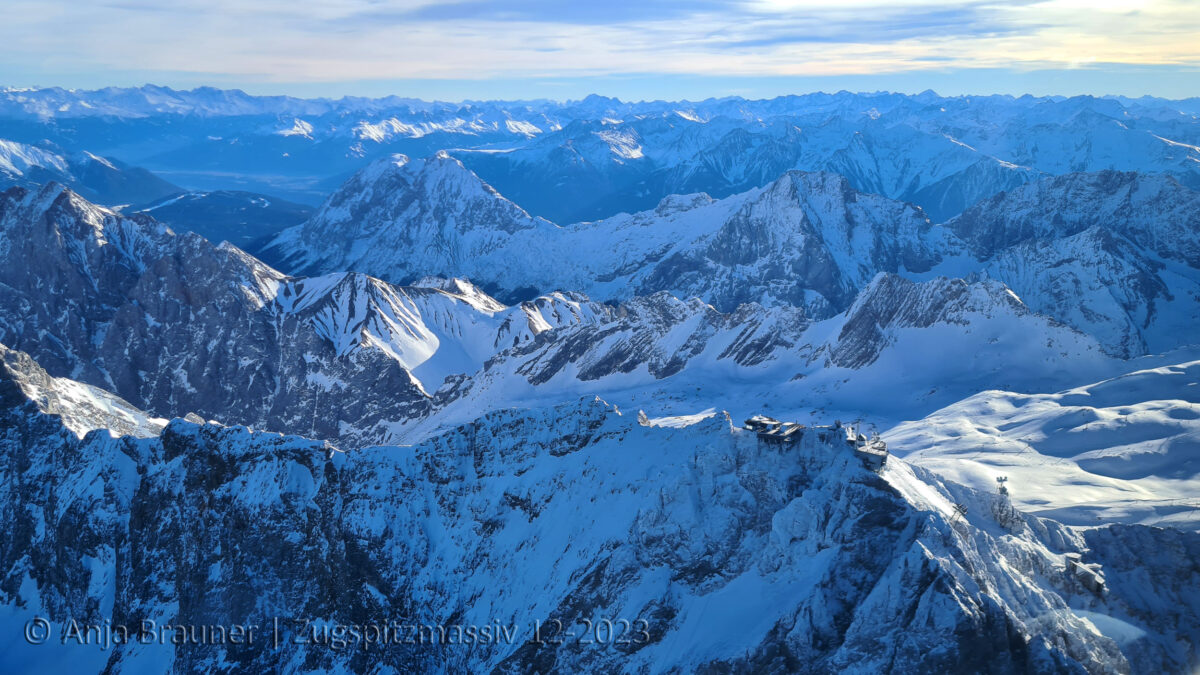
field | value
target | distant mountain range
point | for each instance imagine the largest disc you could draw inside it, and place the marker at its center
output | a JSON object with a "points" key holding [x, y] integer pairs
{"points": [[590, 159], [243, 218]]}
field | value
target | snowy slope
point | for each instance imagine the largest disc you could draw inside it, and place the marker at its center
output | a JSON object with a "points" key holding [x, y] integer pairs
{"points": [[720, 552], [597, 167], [1125, 449], [1116, 255], [805, 239], [81, 408], [100, 179]]}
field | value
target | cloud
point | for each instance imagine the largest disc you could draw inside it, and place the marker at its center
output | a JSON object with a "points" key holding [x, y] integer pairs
{"points": [[263, 41], [886, 25], [555, 11]]}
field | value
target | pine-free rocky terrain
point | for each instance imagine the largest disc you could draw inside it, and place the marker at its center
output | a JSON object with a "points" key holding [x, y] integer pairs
{"points": [[443, 403]]}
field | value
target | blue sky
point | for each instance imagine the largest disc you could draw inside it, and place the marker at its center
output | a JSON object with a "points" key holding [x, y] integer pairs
{"points": [[634, 49]]}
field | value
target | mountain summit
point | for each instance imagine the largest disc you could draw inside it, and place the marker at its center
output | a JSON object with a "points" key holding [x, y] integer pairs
{"points": [[807, 239]]}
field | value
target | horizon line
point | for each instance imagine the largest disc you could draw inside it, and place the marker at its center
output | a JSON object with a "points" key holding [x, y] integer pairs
{"points": [[8, 89]]}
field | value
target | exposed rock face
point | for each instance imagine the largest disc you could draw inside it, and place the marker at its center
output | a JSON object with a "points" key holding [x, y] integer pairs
{"points": [[1153, 212], [68, 265], [436, 211], [659, 333], [1102, 284], [80, 407], [179, 325], [893, 303], [817, 563], [100, 179], [1115, 255], [806, 239]]}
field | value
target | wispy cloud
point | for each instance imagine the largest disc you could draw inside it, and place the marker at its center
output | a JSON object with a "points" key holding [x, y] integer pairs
{"points": [[610, 12], [333, 41]]}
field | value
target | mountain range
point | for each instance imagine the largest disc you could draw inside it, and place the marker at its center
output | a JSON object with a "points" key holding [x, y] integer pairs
{"points": [[593, 158], [499, 381], [209, 525], [1111, 254]]}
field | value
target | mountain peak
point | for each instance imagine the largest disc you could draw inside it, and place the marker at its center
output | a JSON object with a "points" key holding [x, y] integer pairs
{"points": [[401, 219], [1153, 211]]}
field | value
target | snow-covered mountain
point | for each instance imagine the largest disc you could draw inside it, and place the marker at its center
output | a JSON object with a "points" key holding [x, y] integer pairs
{"points": [[937, 341], [590, 159], [103, 180], [444, 370], [178, 325], [806, 239], [1113, 255], [1116, 255], [401, 220], [718, 550]]}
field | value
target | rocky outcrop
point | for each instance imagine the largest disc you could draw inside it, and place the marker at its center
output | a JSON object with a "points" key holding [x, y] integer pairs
{"points": [[808, 240], [1115, 255], [718, 551], [81, 407], [1153, 212]]}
